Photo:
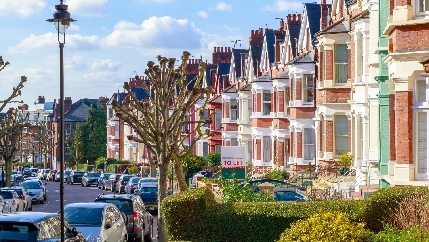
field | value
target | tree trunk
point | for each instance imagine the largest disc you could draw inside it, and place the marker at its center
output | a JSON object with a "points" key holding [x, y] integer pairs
{"points": [[162, 193], [8, 172], [178, 169]]}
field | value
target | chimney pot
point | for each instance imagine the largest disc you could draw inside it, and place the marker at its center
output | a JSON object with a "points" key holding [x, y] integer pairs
{"points": [[252, 32], [229, 49], [323, 1], [298, 18], [218, 49], [293, 17]]}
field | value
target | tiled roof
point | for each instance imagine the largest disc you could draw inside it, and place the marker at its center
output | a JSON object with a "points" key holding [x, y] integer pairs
{"points": [[294, 29], [246, 87], [270, 41], [263, 78], [237, 60], [313, 16], [230, 89], [222, 69], [307, 57], [209, 68], [256, 56], [341, 27], [79, 110], [283, 75]]}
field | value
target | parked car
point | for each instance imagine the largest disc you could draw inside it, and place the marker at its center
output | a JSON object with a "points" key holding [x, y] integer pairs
{"points": [[120, 185], [147, 180], [286, 194], [34, 171], [90, 178], [75, 177], [102, 179], [32, 226], [139, 220], [110, 183], [13, 199], [27, 172], [36, 189], [97, 221], [46, 174], [149, 194], [132, 185], [23, 194], [4, 206]]}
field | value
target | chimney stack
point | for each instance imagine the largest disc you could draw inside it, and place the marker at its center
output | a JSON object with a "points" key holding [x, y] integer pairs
{"points": [[282, 24], [294, 17], [298, 18]]}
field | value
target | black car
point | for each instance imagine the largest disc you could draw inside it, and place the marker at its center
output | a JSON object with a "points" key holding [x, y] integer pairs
{"points": [[90, 178], [75, 177], [139, 220], [122, 181], [32, 226], [149, 194], [102, 179]]}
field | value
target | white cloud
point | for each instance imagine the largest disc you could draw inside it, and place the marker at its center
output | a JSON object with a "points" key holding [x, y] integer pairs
{"points": [[23, 8], [74, 41], [159, 1], [154, 33], [106, 65], [96, 8], [283, 5], [76, 63], [73, 27], [203, 14], [223, 6]]}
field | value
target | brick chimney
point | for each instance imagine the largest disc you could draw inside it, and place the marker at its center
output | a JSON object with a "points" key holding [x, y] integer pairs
{"points": [[324, 16], [256, 37], [282, 25], [67, 104], [293, 19], [192, 67], [225, 81], [221, 55], [41, 99]]}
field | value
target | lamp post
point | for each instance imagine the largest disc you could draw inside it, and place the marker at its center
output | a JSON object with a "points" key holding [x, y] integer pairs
{"points": [[61, 19]]}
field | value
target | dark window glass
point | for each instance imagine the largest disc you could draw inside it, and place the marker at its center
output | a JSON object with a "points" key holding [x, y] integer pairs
{"points": [[82, 215], [16, 231], [31, 185], [126, 178], [135, 180], [106, 176], [121, 204], [78, 173], [6, 195], [149, 190], [93, 175]]}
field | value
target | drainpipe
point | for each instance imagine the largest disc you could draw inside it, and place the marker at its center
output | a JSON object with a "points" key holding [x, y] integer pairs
{"points": [[316, 74]]}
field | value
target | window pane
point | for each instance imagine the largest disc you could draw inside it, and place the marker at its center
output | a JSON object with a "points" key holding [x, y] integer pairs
{"points": [[205, 149], [341, 63], [266, 109], [341, 134], [309, 144], [218, 118], [421, 91], [266, 149], [206, 116], [234, 142], [423, 5], [266, 96], [217, 148], [341, 53], [422, 142]]}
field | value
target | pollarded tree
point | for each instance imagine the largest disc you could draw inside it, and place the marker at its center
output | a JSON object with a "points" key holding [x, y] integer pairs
{"points": [[11, 126], [158, 119]]}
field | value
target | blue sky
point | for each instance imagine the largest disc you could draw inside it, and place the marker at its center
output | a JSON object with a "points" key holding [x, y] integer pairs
{"points": [[113, 39]]}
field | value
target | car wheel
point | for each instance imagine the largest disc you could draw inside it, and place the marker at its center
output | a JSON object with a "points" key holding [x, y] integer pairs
{"points": [[148, 237], [71, 183], [44, 198], [42, 202], [30, 209], [87, 185]]}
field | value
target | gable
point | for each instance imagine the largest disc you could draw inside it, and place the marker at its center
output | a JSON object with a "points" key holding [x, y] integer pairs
{"points": [[268, 50], [310, 21]]}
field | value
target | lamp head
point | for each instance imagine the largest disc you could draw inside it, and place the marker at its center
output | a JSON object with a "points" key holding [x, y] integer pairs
{"points": [[61, 18]]}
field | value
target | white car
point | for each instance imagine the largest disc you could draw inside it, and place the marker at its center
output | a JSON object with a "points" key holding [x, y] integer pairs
{"points": [[97, 221], [12, 198], [36, 190], [23, 194], [4, 206]]}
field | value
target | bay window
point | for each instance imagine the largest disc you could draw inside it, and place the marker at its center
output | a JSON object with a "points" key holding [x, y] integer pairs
{"points": [[362, 148], [286, 101], [309, 136], [422, 144], [341, 57], [249, 109], [206, 117], [341, 134], [308, 88], [218, 116], [234, 142], [205, 149], [322, 131], [266, 102], [233, 109]]}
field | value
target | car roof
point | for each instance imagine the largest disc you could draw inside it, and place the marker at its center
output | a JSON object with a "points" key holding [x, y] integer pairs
{"points": [[87, 205], [148, 178], [29, 217], [116, 196]]}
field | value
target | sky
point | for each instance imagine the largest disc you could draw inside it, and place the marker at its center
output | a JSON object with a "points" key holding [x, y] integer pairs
{"points": [[112, 40]]}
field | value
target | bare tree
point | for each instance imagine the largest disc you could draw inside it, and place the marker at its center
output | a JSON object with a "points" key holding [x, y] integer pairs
{"points": [[158, 119], [43, 139], [11, 125]]}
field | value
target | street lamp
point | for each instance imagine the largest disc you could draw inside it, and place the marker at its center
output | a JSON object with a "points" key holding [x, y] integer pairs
{"points": [[61, 19]]}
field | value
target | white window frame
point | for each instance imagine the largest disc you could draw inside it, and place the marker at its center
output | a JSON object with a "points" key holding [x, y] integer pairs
{"points": [[231, 141], [205, 151], [265, 149], [233, 110], [423, 103], [265, 102], [323, 132], [249, 110], [305, 88], [346, 63], [336, 136], [307, 146], [286, 96], [420, 175], [418, 13]]}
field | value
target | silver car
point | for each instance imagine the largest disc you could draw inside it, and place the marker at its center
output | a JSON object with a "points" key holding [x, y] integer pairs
{"points": [[36, 190], [4, 206], [23, 194], [97, 221]]}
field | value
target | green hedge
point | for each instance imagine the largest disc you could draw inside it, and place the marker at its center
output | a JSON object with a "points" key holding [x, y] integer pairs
{"points": [[99, 163], [193, 215], [112, 168], [381, 203], [184, 212]]}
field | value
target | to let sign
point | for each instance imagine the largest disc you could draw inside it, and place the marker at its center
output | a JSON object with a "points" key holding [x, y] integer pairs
{"points": [[233, 157]]}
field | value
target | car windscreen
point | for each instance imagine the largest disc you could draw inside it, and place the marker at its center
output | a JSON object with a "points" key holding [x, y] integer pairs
{"points": [[287, 196], [19, 192], [78, 173], [135, 180], [46, 171], [147, 190], [31, 185], [93, 175], [84, 215], [16, 231], [34, 169], [6, 194], [117, 176], [67, 172], [124, 205], [126, 178], [106, 176]]}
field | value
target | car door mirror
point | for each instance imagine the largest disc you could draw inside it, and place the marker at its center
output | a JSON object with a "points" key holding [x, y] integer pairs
{"points": [[107, 226]]}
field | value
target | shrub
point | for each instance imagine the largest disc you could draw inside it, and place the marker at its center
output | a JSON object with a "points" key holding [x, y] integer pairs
{"points": [[326, 227], [112, 168], [411, 212], [389, 234], [192, 164], [233, 192], [379, 205], [346, 159], [251, 221], [213, 159], [133, 170], [277, 174], [184, 213]]}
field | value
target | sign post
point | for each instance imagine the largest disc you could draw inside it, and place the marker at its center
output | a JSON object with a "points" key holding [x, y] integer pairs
{"points": [[233, 162]]}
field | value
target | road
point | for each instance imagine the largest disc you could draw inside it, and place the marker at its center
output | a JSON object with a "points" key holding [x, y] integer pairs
{"points": [[72, 194]]}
